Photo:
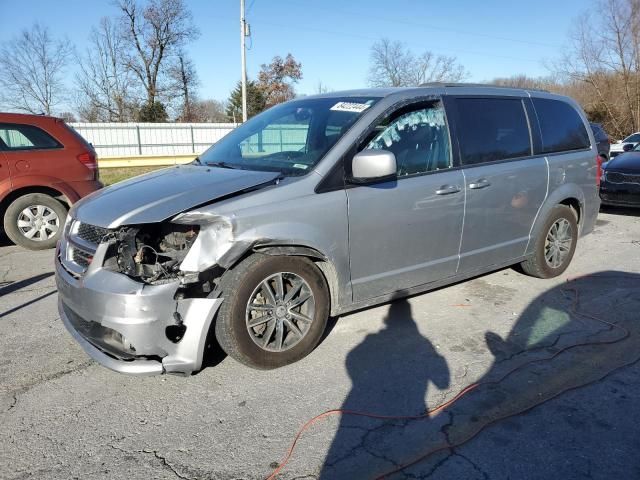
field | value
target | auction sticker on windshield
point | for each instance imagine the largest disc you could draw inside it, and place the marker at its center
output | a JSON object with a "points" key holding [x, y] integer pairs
{"points": [[350, 107]]}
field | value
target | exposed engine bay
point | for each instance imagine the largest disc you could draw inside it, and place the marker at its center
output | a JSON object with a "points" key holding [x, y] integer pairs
{"points": [[153, 253]]}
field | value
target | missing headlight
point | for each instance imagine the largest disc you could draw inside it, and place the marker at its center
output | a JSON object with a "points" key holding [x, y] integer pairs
{"points": [[153, 253]]}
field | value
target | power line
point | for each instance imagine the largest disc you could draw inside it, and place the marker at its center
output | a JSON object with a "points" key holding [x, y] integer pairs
{"points": [[370, 38], [424, 25]]}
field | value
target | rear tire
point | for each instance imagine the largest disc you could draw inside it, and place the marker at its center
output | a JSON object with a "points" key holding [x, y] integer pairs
{"points": [[264, 321], [35, 221], [555, 245]]}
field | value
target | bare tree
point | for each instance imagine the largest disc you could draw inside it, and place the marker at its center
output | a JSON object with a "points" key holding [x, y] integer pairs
{"points": [[33, 64], [106, 86], [184, 80], [523, 81], [209, 111], [322, 88], [602, 63], [394, 65], [153, 34], [277, 78]]}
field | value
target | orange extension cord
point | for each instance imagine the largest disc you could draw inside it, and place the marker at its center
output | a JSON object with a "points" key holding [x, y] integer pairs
{"points": [[469, 388]]}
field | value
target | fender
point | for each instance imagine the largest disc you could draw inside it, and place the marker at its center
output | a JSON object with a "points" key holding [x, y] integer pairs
{"points": [[559, 195], [276, 248], [42, 181]]}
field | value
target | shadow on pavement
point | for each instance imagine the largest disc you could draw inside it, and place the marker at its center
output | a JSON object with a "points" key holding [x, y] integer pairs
{"points": [[4, 240], [554, 348], [15, 286], [390, 372], [19, 285], [627, 211]]}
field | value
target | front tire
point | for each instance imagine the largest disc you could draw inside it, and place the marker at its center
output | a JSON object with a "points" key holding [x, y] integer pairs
{"points": [[275, 310], [555, 245], [35, 221]]}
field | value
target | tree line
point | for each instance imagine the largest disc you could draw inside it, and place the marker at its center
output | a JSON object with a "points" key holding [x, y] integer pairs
{"points": [[135, 67]]}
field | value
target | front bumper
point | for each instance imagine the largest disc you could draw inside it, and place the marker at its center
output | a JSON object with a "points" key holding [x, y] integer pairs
{"points": [[122, 324], [620, 194]]}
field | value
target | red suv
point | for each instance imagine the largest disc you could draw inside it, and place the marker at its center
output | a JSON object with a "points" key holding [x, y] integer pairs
{"points": [[45, 167]]}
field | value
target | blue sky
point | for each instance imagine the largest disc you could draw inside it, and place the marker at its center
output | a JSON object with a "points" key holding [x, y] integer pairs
{"points": [[332, 38]]}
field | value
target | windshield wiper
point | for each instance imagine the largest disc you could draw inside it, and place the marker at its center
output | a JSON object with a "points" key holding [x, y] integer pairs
{"points": [[221, 165]]}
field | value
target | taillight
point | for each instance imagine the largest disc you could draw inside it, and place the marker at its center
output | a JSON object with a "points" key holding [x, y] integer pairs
{"points": [[88, 159], [598, 169]]}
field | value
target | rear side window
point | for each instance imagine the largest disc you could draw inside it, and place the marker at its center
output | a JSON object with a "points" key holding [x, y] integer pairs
{"points": [[491, 129], [26, 137], [561, 127]]}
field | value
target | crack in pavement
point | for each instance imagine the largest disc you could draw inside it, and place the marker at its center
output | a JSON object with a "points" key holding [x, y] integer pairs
{"points": [[13, 403], [162, 458], [22, 390], [484, 474]]}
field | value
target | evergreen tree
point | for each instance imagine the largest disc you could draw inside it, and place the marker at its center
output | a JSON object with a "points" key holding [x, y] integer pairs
{"points": [[256, 102]]}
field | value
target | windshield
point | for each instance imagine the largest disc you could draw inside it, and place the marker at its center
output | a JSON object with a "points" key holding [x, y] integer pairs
{"points": [[632, 138], [289, 138]]}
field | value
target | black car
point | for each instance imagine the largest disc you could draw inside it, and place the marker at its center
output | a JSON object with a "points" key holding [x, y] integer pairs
{"points": [[602, 140], [620, 183]]}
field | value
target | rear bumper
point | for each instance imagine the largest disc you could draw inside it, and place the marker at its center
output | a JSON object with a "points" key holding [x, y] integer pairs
{"points": [[127, 326], [84, 188]]}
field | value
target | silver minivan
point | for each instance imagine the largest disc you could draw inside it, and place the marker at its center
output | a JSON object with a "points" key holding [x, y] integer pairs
{"points": [[320, 206]]}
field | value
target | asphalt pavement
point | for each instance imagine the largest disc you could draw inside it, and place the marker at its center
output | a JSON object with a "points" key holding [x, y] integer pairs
{"points": [[555, 363]]}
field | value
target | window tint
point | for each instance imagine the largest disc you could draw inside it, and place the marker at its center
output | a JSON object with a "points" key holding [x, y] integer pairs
{"points": [[418, 138], [492, 129], [635, 138], [26, 137], [561, 127]]}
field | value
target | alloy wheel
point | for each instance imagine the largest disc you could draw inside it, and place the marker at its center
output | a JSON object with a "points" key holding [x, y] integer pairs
{"points": [[558, 243], [280, 311]]}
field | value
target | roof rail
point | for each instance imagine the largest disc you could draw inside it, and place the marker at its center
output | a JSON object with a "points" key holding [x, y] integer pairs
{"points": [[486, 85]]}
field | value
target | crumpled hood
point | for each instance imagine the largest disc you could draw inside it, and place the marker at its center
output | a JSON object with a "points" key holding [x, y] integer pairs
{"points": [[159, 195]]}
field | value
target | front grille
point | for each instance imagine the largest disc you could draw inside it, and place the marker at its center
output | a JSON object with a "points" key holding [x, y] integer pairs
{"points": [[617, 177], [82, 240], [91, 233], [81, 257]]}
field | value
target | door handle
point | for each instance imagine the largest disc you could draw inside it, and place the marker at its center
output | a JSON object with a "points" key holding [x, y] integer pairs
{"points": [[482, 183], [447, 189]]}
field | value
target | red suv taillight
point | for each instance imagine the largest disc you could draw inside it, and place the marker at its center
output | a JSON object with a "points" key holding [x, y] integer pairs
{"points": [[598, 169], [88, 159]]}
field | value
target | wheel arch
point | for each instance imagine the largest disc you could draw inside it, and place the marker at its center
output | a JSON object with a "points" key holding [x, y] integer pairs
{"points": [[569, 195], [20, 192], [276, 248]]}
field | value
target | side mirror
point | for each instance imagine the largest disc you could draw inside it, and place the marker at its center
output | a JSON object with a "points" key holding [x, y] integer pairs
{"points": [[373, 165], [627, 147]]}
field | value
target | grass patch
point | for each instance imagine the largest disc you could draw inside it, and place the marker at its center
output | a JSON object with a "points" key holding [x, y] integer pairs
{"points": [[109, 176]]}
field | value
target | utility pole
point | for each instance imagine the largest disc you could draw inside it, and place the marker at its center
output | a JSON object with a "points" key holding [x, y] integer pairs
{"points": [[243, 34]]}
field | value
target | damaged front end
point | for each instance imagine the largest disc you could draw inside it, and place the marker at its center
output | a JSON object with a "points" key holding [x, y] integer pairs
{"points": [[140, 298], [152, 253]]}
